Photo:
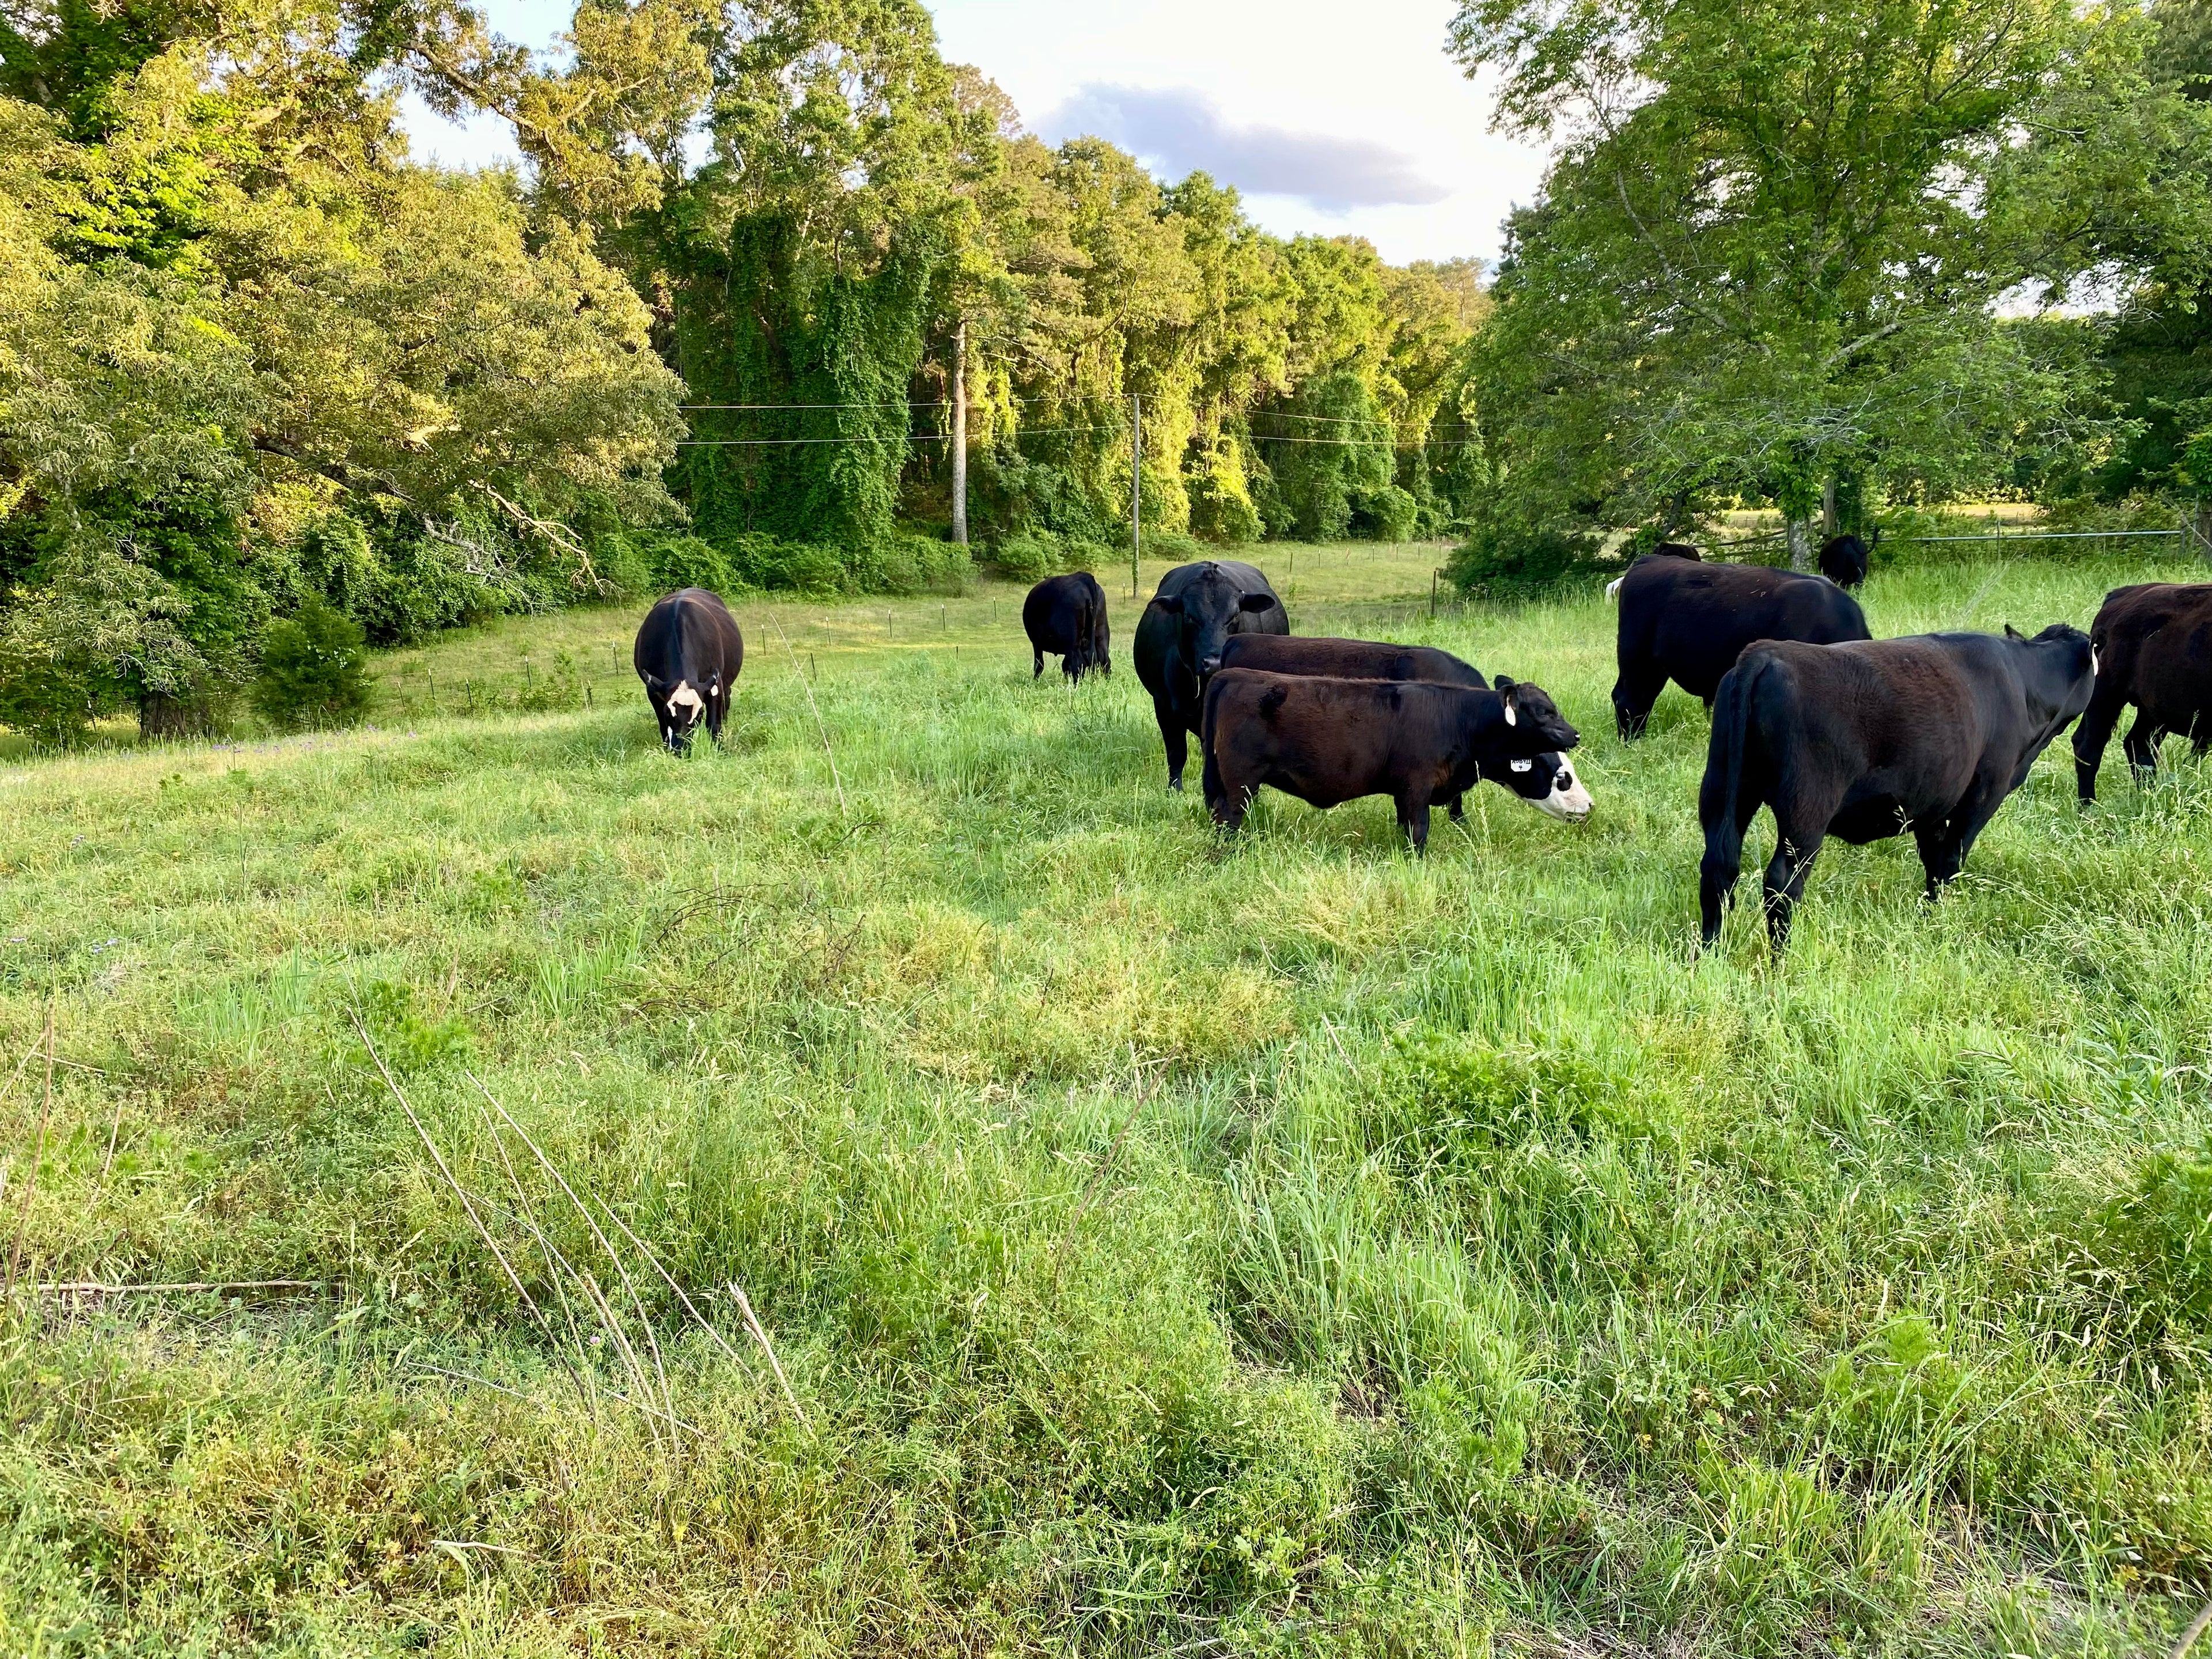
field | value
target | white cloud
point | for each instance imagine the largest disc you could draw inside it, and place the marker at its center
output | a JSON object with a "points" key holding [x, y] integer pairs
{"points": [[1180, 132]]}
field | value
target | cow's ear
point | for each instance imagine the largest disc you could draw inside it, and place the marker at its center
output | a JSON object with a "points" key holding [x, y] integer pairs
{"points": [[2012, 633], [1256, 602], [1172, 606], [655, 683], [1502, 685]]}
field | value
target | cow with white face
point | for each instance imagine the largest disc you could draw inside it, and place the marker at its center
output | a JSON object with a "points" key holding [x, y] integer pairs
{"points": [[689, 653]]}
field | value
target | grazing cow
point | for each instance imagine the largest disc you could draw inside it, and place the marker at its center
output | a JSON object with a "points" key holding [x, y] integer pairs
{"points": [[1180, 639], [1846, 559], [1689, 623], [688, 652], [1662, 551], [1329, 741], [1547, 783], [1067, 615], [1868, 740], [2154, 645]]}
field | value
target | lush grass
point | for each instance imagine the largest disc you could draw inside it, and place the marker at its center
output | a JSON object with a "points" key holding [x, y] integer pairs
{"points": [[1292, 1248]]}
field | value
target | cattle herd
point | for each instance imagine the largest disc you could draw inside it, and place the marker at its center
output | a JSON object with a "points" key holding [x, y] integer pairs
{"points": [[1833, 732]]}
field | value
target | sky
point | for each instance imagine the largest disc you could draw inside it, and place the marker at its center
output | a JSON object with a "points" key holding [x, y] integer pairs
{"points": [[1330, 118]]}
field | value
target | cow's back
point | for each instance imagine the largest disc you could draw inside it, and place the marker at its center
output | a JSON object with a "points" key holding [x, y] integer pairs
{"points": [[1694, 621], [1349, 659]]}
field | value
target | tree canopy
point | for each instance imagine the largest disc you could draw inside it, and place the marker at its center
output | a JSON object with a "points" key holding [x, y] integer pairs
{"points": [[1784, 248]]}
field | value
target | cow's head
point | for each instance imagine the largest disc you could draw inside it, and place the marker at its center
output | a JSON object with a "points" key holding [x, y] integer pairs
{"points": [[1206, 613], [1547, 782], [1537, 723], [678, 706], [2057, 670]]}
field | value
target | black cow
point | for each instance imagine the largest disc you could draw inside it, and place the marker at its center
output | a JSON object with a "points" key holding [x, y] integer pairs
{"points": [[1329, 741], [688, 652], [2154, 645], [1547, 783], [1661, 551], [1689, 623], [1067, 615], [1846, 559], [1868, 740], [1180, 639]]}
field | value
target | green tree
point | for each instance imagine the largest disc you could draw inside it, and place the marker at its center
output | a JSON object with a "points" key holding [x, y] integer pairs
{"points": [[1774, 250]]}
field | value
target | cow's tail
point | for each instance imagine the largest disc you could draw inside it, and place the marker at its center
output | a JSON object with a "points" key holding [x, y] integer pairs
{"points": [[1720, 798]]}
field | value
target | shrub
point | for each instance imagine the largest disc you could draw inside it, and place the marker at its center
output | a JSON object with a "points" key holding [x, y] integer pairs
{"points": [[1174, 545], [1388, 515], [1025, 557], [1507, 561], [315, 672], [1221, 514]]}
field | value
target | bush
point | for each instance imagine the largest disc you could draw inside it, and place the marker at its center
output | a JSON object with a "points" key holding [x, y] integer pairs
{"points": [[315, 672], [1388, 515], [1512, 561], [1223, 515], [1026, 556], [1174, 545]]}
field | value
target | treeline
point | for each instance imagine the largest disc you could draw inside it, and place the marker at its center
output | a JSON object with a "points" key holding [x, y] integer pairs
{"points": [[1840, 258], [256, 361]]}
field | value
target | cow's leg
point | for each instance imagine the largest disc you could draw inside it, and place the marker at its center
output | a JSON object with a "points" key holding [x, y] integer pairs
{"points": [[1722, 868], [2141, 746], [1457, 808], [2095, 730], [1785, 884], [1176, 737], [1037, 673], [1229, 805], [1633, 694], [1414, 819], [1942, 855]]}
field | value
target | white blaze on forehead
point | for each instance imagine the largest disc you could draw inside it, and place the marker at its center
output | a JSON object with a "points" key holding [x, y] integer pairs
{"points": [[683, 698]]}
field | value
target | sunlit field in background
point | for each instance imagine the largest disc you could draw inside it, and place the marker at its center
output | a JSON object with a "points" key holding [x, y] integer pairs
{"points": [[1153, 1245]]}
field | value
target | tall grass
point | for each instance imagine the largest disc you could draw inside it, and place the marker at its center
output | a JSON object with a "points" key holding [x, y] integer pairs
{"points": [[1163, 1247]]}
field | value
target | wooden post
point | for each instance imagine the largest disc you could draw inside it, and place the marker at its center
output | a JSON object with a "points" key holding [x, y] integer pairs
{"points": [[1136, 488], [960, 433]]}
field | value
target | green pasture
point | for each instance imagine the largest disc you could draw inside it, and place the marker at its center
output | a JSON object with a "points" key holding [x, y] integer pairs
{"points": [[1154, 1247]]}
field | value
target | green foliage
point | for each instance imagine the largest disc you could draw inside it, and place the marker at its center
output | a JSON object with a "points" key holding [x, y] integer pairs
{"points": [[1707, 301], [2154, 1240], [1506, 560], [405, 1037], [239, 325], [314, 672]]}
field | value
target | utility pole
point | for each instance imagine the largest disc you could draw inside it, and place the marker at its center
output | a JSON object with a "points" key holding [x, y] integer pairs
{"points": [[1136, 488], [960, 433]]}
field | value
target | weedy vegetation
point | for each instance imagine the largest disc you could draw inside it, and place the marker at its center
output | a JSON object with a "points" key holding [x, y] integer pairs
{"points": [[667, 1206]]}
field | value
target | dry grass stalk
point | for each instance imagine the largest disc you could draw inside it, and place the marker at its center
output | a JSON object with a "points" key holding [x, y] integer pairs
{"points": [[760, 1335], [820, 730], [582, 1209]]}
